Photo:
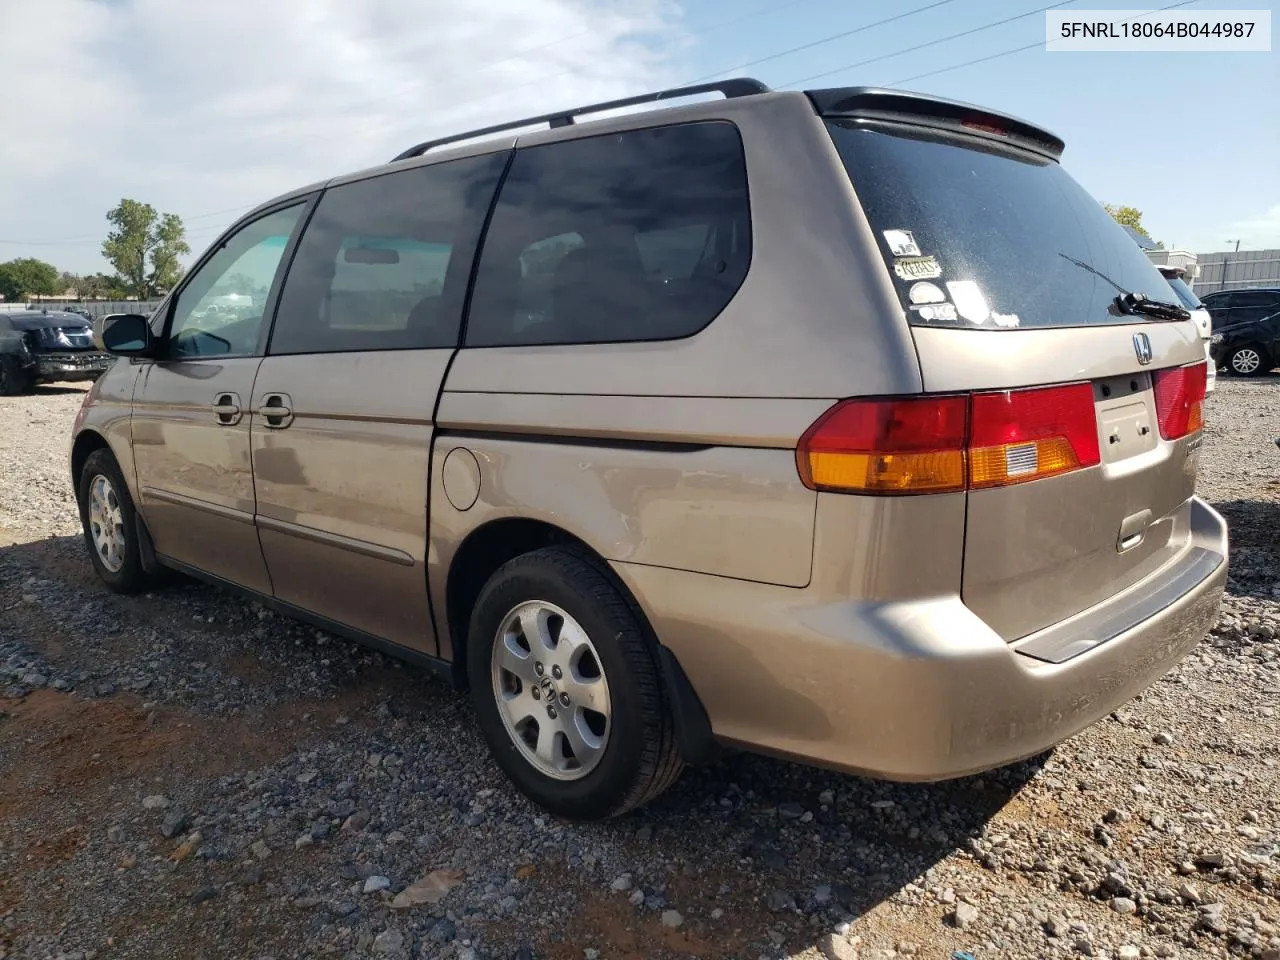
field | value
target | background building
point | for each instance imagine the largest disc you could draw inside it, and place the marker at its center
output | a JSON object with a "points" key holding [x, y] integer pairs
{"points": [[1232, 270]]}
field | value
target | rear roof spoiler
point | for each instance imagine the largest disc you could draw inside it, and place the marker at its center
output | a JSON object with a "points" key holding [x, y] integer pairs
{"points": [[918, 108]]}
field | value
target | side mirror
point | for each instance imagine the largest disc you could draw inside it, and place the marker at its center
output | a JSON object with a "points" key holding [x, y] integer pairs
{"points": [[124, 334]]}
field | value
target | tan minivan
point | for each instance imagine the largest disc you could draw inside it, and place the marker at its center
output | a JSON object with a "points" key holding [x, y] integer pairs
{"points": [[834, 425]]}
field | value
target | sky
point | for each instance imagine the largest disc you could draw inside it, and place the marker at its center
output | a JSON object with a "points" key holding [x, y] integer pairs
{"points": [[206, 109]]}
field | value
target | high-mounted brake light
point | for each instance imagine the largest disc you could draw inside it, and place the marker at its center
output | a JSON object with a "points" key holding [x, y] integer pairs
{"points": [[936, 444], [986, 126], [1180, 393]]}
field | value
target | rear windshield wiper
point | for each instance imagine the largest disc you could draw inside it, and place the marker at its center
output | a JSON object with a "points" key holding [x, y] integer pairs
{"points": [[1134, 303], [1138, 303]]}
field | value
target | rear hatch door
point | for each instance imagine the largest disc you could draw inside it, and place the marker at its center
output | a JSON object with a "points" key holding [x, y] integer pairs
{"points": [[1009, 274]]}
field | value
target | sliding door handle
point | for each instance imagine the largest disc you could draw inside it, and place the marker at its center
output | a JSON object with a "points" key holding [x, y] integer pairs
{"points": [[276, 410]]}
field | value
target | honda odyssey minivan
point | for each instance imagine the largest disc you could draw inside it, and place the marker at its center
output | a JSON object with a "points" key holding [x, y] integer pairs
{"points": [[833, 425]]}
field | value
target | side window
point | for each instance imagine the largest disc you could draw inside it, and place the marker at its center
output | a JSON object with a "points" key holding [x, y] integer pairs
{"points": [[220, 310], [643, 235], [384, 262], [1251, 305], [1260, 298]]}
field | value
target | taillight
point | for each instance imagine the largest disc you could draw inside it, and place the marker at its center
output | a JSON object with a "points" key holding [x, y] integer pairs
{"points": [[1020, 435], [1180, 393], [936, 444], [912, 445]]}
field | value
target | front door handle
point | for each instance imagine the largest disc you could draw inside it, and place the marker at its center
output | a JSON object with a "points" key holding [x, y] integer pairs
{"points": [[276, 410], [226, 407]]}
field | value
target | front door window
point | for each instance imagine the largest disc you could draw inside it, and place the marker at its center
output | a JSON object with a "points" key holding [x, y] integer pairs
{"points": [[220, 311]]}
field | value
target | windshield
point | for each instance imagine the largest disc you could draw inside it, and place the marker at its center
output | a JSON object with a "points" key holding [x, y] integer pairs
{"points": [[985, 237], [1184, 294]]}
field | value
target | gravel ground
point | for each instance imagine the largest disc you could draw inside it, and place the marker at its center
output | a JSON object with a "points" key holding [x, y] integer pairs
{"points": [[184, 774]]}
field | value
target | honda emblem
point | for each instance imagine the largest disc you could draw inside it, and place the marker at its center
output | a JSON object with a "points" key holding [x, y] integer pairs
{"points": [[1142, 347]]}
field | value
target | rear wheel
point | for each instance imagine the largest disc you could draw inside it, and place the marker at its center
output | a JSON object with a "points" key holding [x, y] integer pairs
{"points": [[110, 524], [13, 379], [1247, 361], [566, 689]]}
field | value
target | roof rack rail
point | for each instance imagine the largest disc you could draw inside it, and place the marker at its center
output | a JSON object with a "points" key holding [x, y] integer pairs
{"points": [[735, 87]]}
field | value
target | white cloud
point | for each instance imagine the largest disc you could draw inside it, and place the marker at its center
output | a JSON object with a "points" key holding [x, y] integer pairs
{"points": [[1260, 232], [200, 107]]}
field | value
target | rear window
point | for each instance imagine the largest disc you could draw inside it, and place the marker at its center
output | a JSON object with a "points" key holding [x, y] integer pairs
{"points": [[1184, 294], [987, 237]]}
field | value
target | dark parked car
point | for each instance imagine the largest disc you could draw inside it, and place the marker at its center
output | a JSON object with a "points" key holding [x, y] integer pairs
{"points": [[1246, 329], [48, 345]]}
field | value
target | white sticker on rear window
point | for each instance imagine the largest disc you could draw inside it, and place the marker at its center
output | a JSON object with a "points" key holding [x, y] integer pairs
{"points": [[970, 302], [1006, 319], [944, 312], [926, 293], [901, 243], [917, 268]]}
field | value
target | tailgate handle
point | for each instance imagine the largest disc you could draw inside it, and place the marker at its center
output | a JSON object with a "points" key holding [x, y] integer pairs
{"points": [[1132, 530]]}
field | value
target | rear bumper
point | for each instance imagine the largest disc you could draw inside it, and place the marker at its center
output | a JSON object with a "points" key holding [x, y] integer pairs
{"points": [[921, 689]]}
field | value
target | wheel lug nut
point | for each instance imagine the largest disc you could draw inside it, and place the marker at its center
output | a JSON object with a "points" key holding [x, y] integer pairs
{"points": [[551, 712], [564, 699], [537, 694], [539, 669], [557, 672]]}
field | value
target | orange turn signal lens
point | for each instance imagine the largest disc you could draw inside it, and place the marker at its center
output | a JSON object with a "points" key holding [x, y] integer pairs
{"points": [[1019, 462], [888, 472]]}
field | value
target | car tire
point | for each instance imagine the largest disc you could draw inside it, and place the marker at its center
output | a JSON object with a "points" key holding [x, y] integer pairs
{"points": [[13, 379], [110, 524], [557, 651], [1248, 360]]}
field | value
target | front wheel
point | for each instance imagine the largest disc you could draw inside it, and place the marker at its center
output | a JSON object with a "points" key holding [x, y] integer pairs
{"points": [[110, 525], [1247, 361], [566, 688]]}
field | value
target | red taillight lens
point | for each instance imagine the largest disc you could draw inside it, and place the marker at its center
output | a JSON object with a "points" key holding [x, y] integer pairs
{"points": [[935, 444], [1180, 393], [1020, 435], [913, 445]]}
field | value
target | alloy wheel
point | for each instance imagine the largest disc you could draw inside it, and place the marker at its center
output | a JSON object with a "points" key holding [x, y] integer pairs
{"points": [[106, 523], [1246, 360], [551, 691]]}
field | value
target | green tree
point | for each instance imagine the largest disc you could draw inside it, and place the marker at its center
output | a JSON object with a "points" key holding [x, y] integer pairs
{"points": [[144, 247], [26, 277], [166, 271], [1127, 217]]}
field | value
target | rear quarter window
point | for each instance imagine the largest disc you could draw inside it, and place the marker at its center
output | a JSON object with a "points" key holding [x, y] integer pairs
{"points": [[642, 235], [983, 236]]}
